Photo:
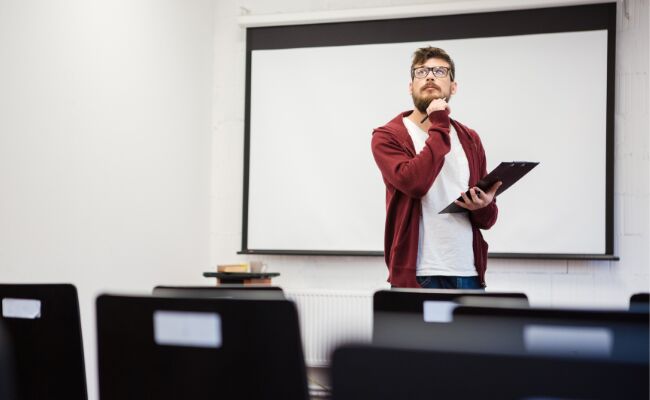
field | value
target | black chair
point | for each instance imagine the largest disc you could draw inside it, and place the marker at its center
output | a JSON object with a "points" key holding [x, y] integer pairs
{"points": [[6, 367], [44, 328], [241, 292], [179, 348], [408, 315], [371, 372], [594, 334], [640, 302], [401, 321]]}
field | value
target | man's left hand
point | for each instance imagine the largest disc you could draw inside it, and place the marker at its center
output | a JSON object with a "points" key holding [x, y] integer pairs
{"points": [[477, 198]]}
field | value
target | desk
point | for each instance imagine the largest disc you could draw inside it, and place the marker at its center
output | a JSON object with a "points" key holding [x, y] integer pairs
{"points": [[246, 278]]}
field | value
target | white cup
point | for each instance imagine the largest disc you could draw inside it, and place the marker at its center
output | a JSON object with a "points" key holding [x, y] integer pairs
{"points": [[257, 266]]}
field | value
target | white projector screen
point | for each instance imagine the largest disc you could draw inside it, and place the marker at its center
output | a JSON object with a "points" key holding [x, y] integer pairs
{"points": [[312, 186]]}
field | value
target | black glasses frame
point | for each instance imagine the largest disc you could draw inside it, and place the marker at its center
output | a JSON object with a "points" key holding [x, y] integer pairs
{"points": [[430, 70]]}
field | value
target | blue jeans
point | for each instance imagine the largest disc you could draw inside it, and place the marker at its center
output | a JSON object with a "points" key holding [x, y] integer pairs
{"points": [[449, 282]]}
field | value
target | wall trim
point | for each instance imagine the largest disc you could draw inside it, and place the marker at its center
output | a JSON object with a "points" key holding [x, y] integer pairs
{"points": [[424, 10]]}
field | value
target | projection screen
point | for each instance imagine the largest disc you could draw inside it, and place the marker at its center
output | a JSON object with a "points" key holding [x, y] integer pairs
{"points": [[537, 85]]}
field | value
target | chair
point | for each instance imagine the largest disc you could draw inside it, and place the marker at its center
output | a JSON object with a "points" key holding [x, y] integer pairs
{"points": [[182, 348], [640, 302], [44, 328], [241, 292], [373, 372], [607, 334], [617, 335], [6, 366], [408, 315]]}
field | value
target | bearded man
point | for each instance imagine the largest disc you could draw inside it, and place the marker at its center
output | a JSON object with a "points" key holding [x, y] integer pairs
{"points": [[426, 160]]}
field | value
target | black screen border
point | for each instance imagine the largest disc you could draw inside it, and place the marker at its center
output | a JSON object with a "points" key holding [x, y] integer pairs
{"points": [[473, 25]]}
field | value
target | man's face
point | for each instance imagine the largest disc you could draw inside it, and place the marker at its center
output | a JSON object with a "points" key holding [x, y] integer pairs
{"points": [[424, 90]]}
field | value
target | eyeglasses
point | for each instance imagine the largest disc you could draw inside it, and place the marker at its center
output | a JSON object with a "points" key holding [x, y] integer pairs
{"points": [[438, 72]]}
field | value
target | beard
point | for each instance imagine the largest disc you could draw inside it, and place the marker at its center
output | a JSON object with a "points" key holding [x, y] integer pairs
{"points": [[422, 102]]}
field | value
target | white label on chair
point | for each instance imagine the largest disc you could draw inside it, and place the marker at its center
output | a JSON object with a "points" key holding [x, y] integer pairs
{"points": [[568, 340], [189, 329], [21, 308], [439, 311]]}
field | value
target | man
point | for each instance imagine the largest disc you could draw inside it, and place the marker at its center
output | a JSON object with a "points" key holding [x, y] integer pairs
{"points": [[427, 160]]}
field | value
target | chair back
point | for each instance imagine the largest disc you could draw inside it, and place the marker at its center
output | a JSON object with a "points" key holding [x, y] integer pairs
{"points": [[378, 373], [241, 292], [182, 348], [44, 328]]}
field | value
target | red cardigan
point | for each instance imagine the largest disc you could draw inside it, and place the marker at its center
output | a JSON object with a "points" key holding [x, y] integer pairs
{"points": [[408, 175]]}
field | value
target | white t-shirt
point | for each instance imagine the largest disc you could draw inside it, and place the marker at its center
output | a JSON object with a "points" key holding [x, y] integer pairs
{"points": [[445, 243]]}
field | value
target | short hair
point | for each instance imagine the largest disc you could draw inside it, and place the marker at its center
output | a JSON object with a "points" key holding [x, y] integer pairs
{"points": [[422, 54]]}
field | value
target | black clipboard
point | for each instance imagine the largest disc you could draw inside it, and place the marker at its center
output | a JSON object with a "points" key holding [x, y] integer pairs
{"points": [[506, 172]]}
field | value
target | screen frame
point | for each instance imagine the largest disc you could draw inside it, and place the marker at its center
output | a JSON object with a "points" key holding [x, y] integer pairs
{"points": [[474, 25]]}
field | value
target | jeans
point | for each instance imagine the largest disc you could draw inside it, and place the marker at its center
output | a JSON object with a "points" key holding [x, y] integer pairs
{"points": [[449, 282]]}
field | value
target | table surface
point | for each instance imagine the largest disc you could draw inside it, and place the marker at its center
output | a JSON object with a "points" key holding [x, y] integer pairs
{"points": [[241, 275]]}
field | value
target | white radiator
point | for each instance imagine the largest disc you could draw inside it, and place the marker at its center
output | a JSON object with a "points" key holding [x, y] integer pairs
{"points": [[329, 318]]}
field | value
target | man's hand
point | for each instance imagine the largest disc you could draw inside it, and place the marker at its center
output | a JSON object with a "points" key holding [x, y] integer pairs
{"points": [[478, 198], [437, 105]]}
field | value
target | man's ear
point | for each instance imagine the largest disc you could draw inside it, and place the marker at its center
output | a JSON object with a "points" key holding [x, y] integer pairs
{"points": [[454, 87], [411, 88]]}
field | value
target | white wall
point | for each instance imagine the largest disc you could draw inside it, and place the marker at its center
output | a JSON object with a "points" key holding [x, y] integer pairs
{"points": [[551, 283], [105, 113], [111, 178]]}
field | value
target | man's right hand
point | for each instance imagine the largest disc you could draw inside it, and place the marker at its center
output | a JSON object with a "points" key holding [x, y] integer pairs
{"points": [[437, 105]]}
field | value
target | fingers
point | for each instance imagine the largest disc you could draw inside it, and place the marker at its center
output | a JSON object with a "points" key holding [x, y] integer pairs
{"points": [[475, 200], [461, 204], [474, 193], [436, 105], [466, 199]]}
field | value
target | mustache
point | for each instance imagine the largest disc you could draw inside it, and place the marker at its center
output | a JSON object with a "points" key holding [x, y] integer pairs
{"points": [[429, 86]]}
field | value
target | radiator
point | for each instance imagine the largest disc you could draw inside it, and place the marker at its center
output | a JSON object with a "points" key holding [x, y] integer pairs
{"points": [[330, 318]]}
